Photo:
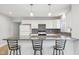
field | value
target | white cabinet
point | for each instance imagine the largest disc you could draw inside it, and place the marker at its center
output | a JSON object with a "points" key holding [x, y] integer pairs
{"points": [[25, 31]]}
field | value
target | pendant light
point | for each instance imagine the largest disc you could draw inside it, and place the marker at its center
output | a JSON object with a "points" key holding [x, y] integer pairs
{"points": [[49, 12], [31, 12], [63, 15]]}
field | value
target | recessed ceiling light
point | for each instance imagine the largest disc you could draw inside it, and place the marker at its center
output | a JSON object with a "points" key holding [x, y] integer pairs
{"points": [[10, 13]]}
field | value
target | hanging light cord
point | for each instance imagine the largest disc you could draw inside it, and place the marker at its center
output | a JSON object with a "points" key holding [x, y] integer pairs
{"points": [[31, 6], [49, 7]]}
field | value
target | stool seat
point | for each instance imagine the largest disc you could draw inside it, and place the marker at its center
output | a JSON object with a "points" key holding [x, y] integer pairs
{"points": [[59, 46], [37, 46], [13, 46]]}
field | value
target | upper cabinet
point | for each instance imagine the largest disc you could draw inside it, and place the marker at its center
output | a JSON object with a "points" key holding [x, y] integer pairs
{"points": [[49, 23]]}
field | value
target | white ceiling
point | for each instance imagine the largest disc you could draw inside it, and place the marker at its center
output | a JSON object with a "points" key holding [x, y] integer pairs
{"points": [[23, 10]]}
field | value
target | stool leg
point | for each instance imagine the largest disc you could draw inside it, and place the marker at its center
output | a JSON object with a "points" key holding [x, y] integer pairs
{"points": [[34, 52], [56, 52], [10, 52], [53, 51], [19, 51], [40, 52], [13, 52], [59, 52], [16, 52], [62, 52]]}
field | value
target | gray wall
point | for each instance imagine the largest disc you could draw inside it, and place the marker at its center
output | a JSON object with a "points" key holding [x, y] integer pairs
{"points": [[7, 28], [74, 25], [75, 21]]}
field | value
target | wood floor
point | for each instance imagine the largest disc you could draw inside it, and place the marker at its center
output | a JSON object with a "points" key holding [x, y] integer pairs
{"points": [[4, 50]]}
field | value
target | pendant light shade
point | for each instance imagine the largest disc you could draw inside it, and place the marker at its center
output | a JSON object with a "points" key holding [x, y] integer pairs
{"points": [[63, 15], [49, 12], [31, 12]]}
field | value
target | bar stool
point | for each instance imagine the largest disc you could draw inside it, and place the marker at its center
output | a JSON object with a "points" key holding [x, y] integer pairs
{"points": [[59, 47], [37, 46], [14, 47]]}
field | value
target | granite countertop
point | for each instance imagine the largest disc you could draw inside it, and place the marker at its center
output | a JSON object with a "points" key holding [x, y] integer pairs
{"points": [[61, 35]]}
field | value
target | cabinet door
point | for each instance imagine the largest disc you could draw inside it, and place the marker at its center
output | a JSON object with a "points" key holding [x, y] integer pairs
{"points": [[25, 31]]}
